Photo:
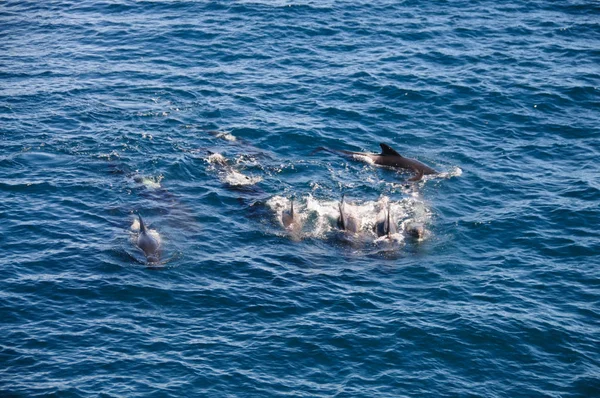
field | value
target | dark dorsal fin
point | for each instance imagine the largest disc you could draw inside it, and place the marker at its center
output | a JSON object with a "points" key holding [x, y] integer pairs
{"points": [[387, 150], [292, 207], [142, 226], [342, 216]]}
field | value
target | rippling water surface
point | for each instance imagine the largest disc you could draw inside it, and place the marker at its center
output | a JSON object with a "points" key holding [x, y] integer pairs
{"points": [[204, 117]]}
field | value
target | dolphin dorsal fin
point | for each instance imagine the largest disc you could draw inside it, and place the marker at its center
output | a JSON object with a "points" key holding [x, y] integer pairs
{"points": [[342, 216], [142, 226], [387, 150], [292, 207]]}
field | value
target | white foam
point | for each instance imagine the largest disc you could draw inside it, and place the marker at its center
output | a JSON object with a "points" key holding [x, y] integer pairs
{"points": [[235, 178], [226, 135], [149, 182], [216, 158], [395, 238], [453, 172], [152, 183], [320, 215], [456, 172]]}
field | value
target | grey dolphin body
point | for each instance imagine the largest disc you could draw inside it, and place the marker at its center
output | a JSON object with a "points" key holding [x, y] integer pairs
{"points": [[147, 243], [390, 158], [347, 221], [386, 226]]}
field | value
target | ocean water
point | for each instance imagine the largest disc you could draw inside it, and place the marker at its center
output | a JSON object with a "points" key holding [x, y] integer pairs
{"points": [[205, 117]]}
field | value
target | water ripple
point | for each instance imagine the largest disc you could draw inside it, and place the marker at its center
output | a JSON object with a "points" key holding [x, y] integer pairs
{"points": [[109, 109]]}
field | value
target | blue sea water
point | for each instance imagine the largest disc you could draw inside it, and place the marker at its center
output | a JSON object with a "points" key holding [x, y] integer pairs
{"points": [[204, 117]]}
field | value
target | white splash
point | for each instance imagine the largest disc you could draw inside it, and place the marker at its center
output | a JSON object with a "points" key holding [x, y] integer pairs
{"points": [[320, 216], [149, 182], [226, 135], [235, 178], [216, 158], [453, 172]]}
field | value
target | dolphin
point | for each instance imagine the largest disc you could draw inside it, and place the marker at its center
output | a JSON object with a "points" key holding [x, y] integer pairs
{"points": [[148, 243], [347, 221], [390, 158], [292, 221], [415, 230], [288, 217], [386, 226]]}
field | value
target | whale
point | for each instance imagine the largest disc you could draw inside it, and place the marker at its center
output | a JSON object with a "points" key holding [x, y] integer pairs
{"points": [[347, 221], [389, 157], [147, 243], [385, 226]]}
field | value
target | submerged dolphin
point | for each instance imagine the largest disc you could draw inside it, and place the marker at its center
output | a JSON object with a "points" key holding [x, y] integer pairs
{"points": [[347, 221], [415, 230], [148, 243], [386, 226], [390, 158]]}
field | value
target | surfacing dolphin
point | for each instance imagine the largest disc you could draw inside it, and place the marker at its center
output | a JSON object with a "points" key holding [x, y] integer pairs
{"points": [[288, 217], [347, 221], [386, 226], [390, 158], [148, 243], [292, 221]]}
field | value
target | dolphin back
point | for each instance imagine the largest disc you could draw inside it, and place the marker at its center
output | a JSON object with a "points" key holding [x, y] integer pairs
{"points": [[147, 243]]}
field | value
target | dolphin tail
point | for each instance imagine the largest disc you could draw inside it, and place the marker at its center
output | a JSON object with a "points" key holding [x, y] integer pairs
{"points": [[142, 225], [320, 149]]}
